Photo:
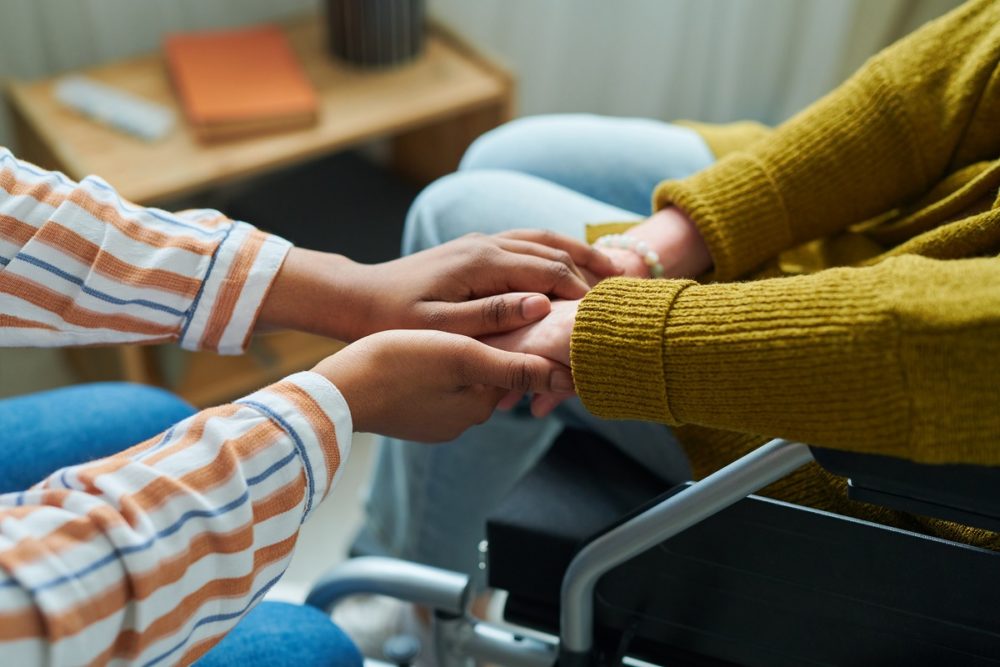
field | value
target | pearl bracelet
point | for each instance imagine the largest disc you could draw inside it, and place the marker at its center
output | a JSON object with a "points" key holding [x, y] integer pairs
{"points": [[641, 248]]}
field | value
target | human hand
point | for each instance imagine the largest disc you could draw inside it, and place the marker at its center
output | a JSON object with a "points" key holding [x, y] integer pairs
{"points": [[550, 338], [430, 386], [478, 285], [475, 285], [674, 237]]}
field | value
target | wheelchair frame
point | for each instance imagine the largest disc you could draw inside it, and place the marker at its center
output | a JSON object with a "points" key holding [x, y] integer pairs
{"points": [[460, 639]]}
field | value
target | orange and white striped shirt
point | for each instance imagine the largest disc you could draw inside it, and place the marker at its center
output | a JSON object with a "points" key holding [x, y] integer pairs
{"points": [[150, 556]]}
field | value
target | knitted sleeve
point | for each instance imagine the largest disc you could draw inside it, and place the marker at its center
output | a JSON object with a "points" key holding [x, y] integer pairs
{"points": [[924, 106], [901, 358]]}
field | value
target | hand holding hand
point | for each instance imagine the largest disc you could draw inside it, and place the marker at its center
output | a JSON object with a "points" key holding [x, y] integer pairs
{"points": [[478, 285], [475, 285], [550, 338], [430, 386]]}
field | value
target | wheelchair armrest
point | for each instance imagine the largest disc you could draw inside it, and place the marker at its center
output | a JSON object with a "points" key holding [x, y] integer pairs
{"points": [[966, 494]]}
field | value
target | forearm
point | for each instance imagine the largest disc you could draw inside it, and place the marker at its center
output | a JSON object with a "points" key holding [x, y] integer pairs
{"points": [[319, 293], [899, 358], [79, 266], [119, 558]]}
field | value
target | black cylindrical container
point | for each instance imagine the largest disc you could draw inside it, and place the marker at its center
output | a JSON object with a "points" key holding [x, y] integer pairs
{"points": [[375, 32]]}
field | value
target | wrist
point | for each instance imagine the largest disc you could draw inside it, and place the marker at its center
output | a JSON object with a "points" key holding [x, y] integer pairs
{"points": [[676, 239], [650, 260], [316, 292]]}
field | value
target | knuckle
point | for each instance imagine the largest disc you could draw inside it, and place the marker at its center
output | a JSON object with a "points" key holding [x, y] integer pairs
{"points": [[462, 370], [560, 273], [496, 311], [563, 257], [519, 375], [483, 255], [436, 318]]}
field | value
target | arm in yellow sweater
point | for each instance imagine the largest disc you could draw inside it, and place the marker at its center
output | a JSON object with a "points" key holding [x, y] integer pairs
{"points": [[901, 358], [928, 104]]}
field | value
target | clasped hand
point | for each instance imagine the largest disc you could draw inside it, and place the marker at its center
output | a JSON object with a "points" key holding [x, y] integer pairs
{"points": [[432, 385]]}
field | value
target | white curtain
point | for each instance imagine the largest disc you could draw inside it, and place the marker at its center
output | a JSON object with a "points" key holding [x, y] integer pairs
{"points": [[712, 60]]}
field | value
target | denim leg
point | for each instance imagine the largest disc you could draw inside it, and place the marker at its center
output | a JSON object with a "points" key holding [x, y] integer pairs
{"points": [[494, 200], [618, 161], [49, 430], [279, 634]]}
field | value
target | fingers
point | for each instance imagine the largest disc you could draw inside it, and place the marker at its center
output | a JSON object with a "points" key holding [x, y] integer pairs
{"points": [[543, 404], [539, 250], [583, 255], [514, 371], [509, 400], [489, 315], [532, 273]]}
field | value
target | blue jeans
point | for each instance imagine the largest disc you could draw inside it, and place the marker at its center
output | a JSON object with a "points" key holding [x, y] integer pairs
{"points": [[46, 431], [429, 504]]}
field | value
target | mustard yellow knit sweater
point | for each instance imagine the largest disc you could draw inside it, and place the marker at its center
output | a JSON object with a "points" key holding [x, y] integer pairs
{"points": [[893, 178]]}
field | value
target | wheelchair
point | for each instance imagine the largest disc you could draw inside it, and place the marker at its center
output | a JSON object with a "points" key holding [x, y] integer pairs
{"points": [[604, 566]]}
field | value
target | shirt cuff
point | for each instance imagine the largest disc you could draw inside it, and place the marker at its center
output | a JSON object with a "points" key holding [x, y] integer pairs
{"points": [[315, 415], [239, 276]]}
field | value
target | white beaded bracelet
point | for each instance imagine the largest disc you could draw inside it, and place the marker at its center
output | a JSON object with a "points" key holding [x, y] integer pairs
{"points": [[641, 248]]}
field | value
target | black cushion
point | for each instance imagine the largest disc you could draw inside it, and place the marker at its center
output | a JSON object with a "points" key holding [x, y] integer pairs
{"points": [[761, 583], [966, 494]]}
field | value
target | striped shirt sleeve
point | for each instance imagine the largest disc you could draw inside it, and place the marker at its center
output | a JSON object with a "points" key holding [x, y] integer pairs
{"points": [[81, 266], [150, 556]]}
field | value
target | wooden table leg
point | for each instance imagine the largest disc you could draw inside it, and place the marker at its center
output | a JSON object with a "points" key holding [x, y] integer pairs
{"points": [[137, 364]]}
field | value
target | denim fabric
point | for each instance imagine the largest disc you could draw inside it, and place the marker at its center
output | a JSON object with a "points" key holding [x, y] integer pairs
{"points": [[49, 430], [279, 634]]}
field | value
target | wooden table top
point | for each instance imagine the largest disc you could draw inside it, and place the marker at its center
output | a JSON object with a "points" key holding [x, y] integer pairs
{"points": [[355, 105]]}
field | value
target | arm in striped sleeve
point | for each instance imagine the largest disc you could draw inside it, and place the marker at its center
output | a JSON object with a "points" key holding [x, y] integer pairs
{"points": [[80, 266], [152, 555]]}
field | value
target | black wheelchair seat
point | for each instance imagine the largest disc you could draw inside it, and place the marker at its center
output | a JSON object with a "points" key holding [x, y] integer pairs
{"points": [[761, 582]]}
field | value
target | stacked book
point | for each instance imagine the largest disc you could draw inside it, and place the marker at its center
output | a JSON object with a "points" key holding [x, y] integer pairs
{"points": [[235, 83]]}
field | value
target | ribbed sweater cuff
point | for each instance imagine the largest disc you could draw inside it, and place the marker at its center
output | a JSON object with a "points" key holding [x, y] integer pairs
{"points": [[616, 348], [738, 211]]}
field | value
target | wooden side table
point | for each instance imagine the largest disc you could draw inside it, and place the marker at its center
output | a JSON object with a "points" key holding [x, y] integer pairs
{"points": [[429, 109]]}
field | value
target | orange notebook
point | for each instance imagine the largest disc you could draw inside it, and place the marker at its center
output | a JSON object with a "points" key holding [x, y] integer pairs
{"points": [[237, 82]]}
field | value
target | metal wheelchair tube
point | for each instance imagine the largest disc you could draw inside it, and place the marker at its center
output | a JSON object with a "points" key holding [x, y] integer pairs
{"points": [[464, 641], [761, 467], [421, 584]]}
